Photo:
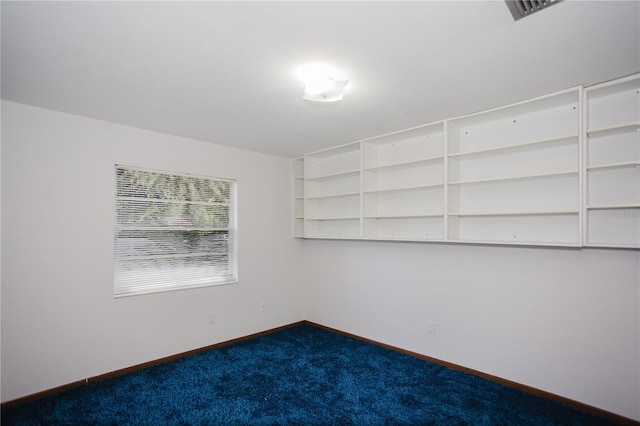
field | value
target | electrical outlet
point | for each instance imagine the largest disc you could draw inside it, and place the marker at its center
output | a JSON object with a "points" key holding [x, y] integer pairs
{"points": [[211, 318], [431, 327], [263, 307]]}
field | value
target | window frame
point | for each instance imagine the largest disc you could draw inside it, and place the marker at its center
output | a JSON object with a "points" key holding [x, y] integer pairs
{"points": [[231, 231]]}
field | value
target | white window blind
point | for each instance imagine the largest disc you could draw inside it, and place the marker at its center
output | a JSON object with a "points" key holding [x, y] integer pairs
{"points": [[172, 231]]}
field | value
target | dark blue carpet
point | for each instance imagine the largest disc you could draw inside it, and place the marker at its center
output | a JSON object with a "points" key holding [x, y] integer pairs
{"points": [[298, 376]]}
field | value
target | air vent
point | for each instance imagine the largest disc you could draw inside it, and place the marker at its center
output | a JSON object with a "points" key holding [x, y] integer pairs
{"points": [[521, 8]]}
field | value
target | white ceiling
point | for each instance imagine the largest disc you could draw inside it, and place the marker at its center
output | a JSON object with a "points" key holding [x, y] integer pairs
{"points": [[224, 71]]}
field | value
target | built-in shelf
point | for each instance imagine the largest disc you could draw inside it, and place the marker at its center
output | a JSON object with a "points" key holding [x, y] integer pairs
{"points": [[404, 216], [516, 147], [332, 237], [614, 206], [334, 218], [608, 244], [517, 178], [533, 243], [407, 188], [614, 130], [332, 192], [403, 182], [344, 194], [298, 191], [406, 165], [612, 164], [347, 173], [558, 170], [627, 165], [516, 213], [405, 239], [513, 173]]}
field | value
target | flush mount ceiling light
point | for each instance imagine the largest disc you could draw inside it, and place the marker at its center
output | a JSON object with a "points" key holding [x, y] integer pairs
{"points": [[322, 82]]}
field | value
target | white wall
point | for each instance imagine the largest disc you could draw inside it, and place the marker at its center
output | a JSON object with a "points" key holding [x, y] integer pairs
{"points": [[562, 320], [60, 322]]}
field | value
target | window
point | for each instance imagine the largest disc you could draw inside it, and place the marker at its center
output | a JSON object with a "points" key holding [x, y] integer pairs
{"points": [[172, 231]]}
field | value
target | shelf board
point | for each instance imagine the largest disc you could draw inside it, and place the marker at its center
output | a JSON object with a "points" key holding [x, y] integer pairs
{"points": [[408, 239], [614, 207], [612, 245], [331, 237], [521, 147], [518, 242], [406, 216], [611, 166], [608, 88], [516, 178], [422, 131], [342, 194], [568, 97], [333, 218], [405, 165], [335, 151], [346, 173], [407, 188], [524, 213], [614, 130]]}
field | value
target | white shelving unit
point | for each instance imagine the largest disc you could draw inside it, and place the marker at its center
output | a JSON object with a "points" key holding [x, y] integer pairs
{"points": [[559, 170], [612, 164], [332, 193], [403, 185], [298, 176], [514, 173]]}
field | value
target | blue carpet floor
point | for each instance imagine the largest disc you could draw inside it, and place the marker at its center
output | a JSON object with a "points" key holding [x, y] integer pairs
{"points": [[297, 376]]}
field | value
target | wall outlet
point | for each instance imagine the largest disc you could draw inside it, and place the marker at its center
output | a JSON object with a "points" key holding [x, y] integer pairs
{"points": [[263, 307], [431, 327], [211, 318]]}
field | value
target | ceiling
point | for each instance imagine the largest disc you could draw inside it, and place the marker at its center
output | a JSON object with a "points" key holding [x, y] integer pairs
{"points": [[223, 72]]}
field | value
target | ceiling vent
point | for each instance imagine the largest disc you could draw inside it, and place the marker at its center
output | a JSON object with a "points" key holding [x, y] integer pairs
{"points": [[521, 8]]}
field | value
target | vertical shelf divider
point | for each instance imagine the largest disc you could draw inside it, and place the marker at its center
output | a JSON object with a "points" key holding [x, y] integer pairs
{"points": [[445, 181]]}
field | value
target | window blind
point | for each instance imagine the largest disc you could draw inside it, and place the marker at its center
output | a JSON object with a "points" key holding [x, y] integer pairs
{"points": [[172, 231]]}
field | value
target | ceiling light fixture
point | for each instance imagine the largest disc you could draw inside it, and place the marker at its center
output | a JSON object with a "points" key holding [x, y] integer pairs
{"points": [[322, 83]]}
